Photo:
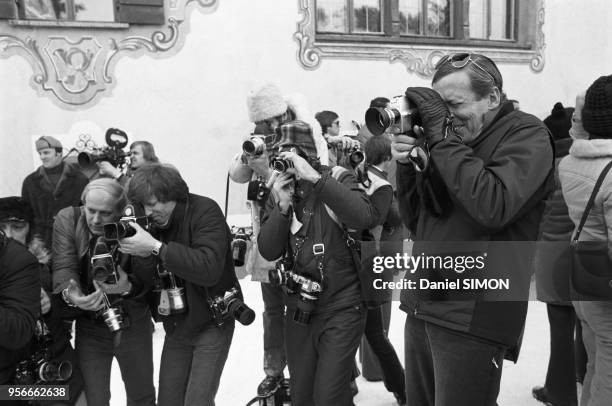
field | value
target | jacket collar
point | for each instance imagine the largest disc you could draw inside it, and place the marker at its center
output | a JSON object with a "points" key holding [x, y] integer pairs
{"points": [[597, 148]]}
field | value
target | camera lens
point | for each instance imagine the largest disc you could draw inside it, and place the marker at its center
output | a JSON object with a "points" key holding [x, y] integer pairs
{"points": [[239, 247], [241, 312], [303, 311], [357, 157]]}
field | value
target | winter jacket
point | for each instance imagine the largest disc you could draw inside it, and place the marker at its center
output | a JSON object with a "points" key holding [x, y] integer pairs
{"points": [[350, 204], [578, 173], [197, 251], [46, 202], [19, 303], [553, 257], [71, 244], [492, 189]]}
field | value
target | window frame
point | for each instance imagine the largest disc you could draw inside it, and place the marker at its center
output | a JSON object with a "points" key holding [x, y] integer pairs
{"points": [[418, 53], [70, 15]]}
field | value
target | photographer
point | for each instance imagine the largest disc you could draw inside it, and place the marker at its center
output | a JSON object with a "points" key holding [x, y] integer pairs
{"points": [[490, 169], [51, 343], [193, 249], [76, 240], [53, 186], [325, 317], [19, 303], [339, 146], [141, 153], [268, 109]]}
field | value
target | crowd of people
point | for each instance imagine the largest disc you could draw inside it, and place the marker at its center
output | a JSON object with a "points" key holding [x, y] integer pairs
{"points": [[103, 258]]}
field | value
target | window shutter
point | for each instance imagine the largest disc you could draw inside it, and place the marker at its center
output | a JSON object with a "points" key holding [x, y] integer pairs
{"points": [[140, 11], [8, 9]]}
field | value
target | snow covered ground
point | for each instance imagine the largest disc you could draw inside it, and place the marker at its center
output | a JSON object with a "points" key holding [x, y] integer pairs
{"points": [[243, 370]]}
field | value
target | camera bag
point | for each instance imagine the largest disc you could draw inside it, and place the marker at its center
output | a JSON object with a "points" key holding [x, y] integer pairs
{"points": [[591, 275]]}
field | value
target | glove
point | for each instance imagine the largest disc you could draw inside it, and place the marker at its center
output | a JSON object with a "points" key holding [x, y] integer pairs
{"points": [[435, 116]]}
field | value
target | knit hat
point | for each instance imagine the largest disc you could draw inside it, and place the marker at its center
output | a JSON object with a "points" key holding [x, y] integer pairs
{"points": [[297, 134], [560, 121], [326, 118], [14, 208], [597, 110], [265, 103], [46, 141]]}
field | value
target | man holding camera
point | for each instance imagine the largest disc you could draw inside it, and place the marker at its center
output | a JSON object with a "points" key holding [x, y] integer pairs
{"points": [[488, 171], [141, 153], [195, 273], [304, 223], [53, 186], [112, 317]]}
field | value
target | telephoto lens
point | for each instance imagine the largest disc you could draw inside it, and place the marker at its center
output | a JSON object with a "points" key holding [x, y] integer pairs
{"points": [[241, 312]]}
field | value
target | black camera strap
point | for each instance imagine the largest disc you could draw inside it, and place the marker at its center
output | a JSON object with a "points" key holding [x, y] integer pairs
{"points": [[318, 248]]}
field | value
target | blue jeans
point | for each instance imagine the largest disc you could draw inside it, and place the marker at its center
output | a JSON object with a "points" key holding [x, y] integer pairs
{"points": [[96, 347], [274, 330], [445, 367], [191, 368], [596, 319]]}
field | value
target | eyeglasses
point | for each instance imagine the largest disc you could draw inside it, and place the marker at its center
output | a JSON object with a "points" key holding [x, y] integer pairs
{"points": [[461, 60]]}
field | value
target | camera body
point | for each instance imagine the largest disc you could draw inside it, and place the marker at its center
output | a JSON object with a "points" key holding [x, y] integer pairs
{"points": [[399, 117], [113, 152], [38, 368], [103, 263], [308, 289], [257, 191], [230, 304], [122, 229], [240, 236]]}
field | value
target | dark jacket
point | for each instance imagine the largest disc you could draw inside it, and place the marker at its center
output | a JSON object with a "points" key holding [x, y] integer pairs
{"points": [[46, 202], [344, 199], [19, 303], [492, 189], [198, 252]]}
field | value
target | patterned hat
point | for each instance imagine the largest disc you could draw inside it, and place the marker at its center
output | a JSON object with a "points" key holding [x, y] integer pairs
{"points": [[597, 110], [297, 134], [46, 141]]}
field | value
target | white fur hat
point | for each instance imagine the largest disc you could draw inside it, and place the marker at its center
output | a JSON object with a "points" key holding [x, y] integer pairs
{"points": [[265, 102]]}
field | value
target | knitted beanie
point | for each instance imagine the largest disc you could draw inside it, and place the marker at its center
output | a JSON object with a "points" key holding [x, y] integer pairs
{"points": [[326, 118], [265, 103], [14, 208], [46, 141], [597, 110], [297, 134], [560, 121]]}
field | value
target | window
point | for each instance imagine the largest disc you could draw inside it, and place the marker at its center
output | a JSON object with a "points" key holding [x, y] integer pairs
{"points": [[480, 22], [82, 13]]}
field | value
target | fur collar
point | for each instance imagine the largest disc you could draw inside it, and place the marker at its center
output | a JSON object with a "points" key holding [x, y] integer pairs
{"points": [[597, 148]]}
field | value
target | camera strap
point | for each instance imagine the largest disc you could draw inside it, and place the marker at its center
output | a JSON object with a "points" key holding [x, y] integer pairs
{"points": [[318, 248]]}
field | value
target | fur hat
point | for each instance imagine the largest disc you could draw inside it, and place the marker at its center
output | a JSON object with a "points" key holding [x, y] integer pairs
{"points": [[46, 141], [297, 134], [265, 103], [14, 208], [560, 121], [597, 110]]}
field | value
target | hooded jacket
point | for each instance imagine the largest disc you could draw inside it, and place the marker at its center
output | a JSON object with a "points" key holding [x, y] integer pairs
{"points": [[492, 189]]}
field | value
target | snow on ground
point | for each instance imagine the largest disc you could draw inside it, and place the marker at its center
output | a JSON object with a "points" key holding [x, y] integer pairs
{"points": [[243, 370]]}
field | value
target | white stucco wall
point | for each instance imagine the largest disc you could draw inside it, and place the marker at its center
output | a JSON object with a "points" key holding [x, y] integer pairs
{"points": [[191, 105]]}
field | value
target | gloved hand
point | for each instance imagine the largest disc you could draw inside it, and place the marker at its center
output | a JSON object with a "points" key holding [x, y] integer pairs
{"points": [[434, 113]]}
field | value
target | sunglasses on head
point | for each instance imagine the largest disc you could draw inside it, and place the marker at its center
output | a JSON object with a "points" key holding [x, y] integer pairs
{"points": [[461, 60]]}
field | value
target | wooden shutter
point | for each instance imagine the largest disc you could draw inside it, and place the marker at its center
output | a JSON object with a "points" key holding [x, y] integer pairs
{"points": [[140, 11], [8, 9]]}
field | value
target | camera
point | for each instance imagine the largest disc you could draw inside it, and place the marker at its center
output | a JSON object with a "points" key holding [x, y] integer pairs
{"points": [[254, 146], [356, 156], [38, 368], [280, 164], [230, 304], [122, 228], [399, 117], [116, 140], [103, 263], [172, 296], [307, 288], [257, 191], [113, 315], [240, 236]]}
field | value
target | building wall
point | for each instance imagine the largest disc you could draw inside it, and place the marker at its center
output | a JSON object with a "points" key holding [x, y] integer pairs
{"points": [[191, 105]]}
